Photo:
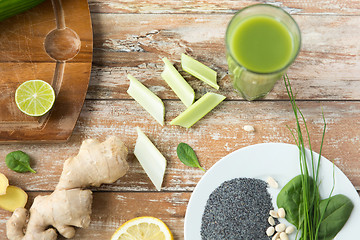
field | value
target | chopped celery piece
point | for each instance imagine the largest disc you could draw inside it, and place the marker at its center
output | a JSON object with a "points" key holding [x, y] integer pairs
{"points": [[198, 110], [147, 99], [199, 70], [150, 158], [177, 83]]}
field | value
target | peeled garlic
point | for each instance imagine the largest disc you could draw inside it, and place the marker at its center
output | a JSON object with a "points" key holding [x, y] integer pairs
{"points": [[280, 227], [270, 231], [249, 128], [271, 221], [289, 230], [274, 214], [284, 236], [281, 213], [276, 236], [272, 183]]}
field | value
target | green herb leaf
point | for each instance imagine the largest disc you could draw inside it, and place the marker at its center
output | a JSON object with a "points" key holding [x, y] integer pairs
{"points": [[187, 156], [336, 210], [291, 199], [18, 161]]}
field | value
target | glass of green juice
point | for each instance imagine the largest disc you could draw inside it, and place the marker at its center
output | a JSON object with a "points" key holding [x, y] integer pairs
{"points": [[262, 41]]}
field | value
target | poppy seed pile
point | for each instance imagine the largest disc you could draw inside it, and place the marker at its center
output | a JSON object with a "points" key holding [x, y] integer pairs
{"points": [[237, 209]]}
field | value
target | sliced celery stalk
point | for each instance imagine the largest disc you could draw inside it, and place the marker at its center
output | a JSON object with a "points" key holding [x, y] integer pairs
{"points": [[150, 158], [147, 99], [198, 110], [199, 70], [177, 83]]}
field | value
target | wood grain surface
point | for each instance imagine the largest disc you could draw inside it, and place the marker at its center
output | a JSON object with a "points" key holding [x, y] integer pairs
{"points": [[51, 42], [133, 36], [330, 45]]}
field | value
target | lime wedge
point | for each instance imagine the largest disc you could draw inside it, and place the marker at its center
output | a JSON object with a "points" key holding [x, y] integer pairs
{"points": [[35, 97]]}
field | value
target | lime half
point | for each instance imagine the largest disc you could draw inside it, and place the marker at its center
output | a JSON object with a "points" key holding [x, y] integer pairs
{"points": [[35, 97]]}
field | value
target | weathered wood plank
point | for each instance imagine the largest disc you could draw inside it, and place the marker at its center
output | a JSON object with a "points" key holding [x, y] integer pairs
{"points": [[227, 6], [218, 134], [327, 68], [110, 210]]}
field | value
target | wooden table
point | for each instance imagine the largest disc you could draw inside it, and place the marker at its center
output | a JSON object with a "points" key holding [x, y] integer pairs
{"points": [[133, 36]]}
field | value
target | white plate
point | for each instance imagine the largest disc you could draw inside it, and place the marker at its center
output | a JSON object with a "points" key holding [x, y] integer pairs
{"points": [[278, 160]]}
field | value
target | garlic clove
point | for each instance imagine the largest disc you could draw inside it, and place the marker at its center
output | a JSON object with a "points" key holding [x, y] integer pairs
{"points": [[274, 214], [281, 213], [270, 231], [290, 230], [271, 221], [280, 227], [272, 182], [284, 236]]}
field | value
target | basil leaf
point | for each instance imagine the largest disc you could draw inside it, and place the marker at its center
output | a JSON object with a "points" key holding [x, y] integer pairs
{"points": [[336, 210], [291, 199], [187, 156], [18, 161]]}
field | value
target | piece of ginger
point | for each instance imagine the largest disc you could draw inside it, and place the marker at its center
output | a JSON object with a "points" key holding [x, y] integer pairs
{"points": [[4, 183], [14, 198], [69, 205]]}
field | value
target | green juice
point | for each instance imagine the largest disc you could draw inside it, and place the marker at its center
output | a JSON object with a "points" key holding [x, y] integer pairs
{"points": [[261, 44]]}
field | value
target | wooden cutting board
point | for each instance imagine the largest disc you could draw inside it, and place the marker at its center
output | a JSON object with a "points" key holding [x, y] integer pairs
{"points": [[52, 42]]}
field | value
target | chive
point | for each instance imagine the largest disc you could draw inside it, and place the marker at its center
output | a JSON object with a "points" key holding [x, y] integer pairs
{"points": [[310, 219]]}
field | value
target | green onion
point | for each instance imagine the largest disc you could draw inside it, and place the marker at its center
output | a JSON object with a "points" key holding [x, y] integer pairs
{"points": [[9, 8]]}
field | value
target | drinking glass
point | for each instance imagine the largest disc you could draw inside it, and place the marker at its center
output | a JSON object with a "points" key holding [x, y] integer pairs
{"points": [[255, 84]]}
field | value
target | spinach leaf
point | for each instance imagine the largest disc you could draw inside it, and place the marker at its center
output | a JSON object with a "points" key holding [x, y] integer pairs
{"points": [[336, 210], [187, 156], [18, 161], [291, 199]]}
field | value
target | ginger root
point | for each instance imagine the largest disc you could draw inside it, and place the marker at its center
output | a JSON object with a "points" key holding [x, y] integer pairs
{"points": [[4, 183], [14, 198], [11, 197], [69, 206]]}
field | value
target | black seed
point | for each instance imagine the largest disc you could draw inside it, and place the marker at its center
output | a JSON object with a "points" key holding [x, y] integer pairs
{"points": [[237, 210]]}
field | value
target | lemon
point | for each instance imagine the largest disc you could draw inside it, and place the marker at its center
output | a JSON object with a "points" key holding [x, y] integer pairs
{"points": [[143, 228], [35, 97]]}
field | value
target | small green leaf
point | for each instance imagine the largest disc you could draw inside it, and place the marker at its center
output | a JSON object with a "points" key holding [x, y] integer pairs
{"points": [[187, 156], [336, 210], [291, 199], [18, 161]]}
